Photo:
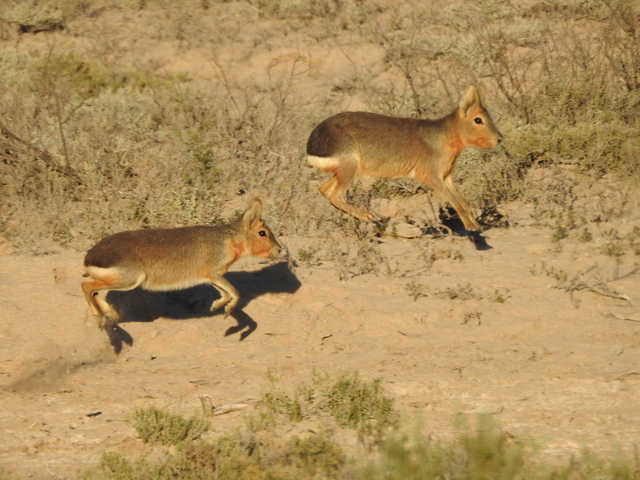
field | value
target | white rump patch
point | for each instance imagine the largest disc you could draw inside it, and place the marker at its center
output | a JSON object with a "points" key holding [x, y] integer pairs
{"points": [[114, 273], [323, 163]]}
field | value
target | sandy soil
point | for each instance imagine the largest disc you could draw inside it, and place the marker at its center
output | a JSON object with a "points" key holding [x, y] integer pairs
{"points": [[561, 367], [497, 329]]}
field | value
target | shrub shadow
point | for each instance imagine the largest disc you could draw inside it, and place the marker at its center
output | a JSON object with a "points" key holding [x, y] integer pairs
{"points": [[139, 305]]}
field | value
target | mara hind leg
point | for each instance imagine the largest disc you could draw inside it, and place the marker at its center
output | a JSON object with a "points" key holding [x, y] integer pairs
{"points": [[105, 279], [336, 187], [104, 313], [446, 188], [90, 288]]}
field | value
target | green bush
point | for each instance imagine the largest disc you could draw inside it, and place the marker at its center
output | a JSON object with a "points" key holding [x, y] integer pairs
{"points": [[157, 426]]}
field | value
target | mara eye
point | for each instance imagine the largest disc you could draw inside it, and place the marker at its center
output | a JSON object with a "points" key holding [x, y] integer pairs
{"points": [[478, 120], [262, 233]]}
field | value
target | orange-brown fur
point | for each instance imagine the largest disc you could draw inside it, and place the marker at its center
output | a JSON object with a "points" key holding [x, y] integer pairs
{"points": [[353, 143], [175, 258]]}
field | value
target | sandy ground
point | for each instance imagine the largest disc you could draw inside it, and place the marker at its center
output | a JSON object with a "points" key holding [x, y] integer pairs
{"points": [[561, 367]]}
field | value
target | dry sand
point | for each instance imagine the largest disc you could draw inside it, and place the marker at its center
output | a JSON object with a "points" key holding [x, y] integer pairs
{"points": [[560, 367]]}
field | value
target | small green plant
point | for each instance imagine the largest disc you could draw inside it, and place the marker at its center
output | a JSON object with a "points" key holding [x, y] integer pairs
{"points": [[304, 9], [560, 232], [613, 246], [380, 227], [585, 235], [500, 296], [157, 426], [415, 290], [557, 273], [308, 257], [460, 292]]}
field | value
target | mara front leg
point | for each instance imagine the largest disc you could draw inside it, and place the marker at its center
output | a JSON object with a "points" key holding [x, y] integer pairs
{"points": [[445, 187], [229, 296], [465, 213]]}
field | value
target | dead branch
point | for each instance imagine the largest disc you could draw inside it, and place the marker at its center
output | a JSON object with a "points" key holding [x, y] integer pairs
{"points": [[42, 155]]}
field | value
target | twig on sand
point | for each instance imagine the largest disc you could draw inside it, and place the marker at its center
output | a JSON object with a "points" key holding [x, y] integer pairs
{"points": [[210, 409], [620, 317], [580, 282]]}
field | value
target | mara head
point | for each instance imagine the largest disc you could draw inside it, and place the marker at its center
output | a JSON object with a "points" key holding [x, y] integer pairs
{"points": [[260, 240], [476, 127]]}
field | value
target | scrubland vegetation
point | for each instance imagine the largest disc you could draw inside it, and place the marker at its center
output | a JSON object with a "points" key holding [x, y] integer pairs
{"points": [[94, 143], [334, 408]]}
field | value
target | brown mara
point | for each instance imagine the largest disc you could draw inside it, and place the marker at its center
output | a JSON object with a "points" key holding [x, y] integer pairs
{"points": [[352, 143]]}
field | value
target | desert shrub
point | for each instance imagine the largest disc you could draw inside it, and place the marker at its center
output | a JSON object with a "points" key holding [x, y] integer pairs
{"points": [[482, 452], [361, 405], [352, 402], [479, 451], [231, 459], [158, 426]]}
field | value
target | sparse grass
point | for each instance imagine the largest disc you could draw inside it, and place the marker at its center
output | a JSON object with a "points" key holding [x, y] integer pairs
{"points": [[459, 292], [352, 402]]}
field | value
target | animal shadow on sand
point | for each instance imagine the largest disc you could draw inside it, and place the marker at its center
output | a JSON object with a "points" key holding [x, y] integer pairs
{"points": [[489, 218], [139, 305]]}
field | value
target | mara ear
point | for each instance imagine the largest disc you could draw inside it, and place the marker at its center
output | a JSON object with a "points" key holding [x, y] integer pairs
{"points": [[481, 94], [253, 213], [470, 101]]}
